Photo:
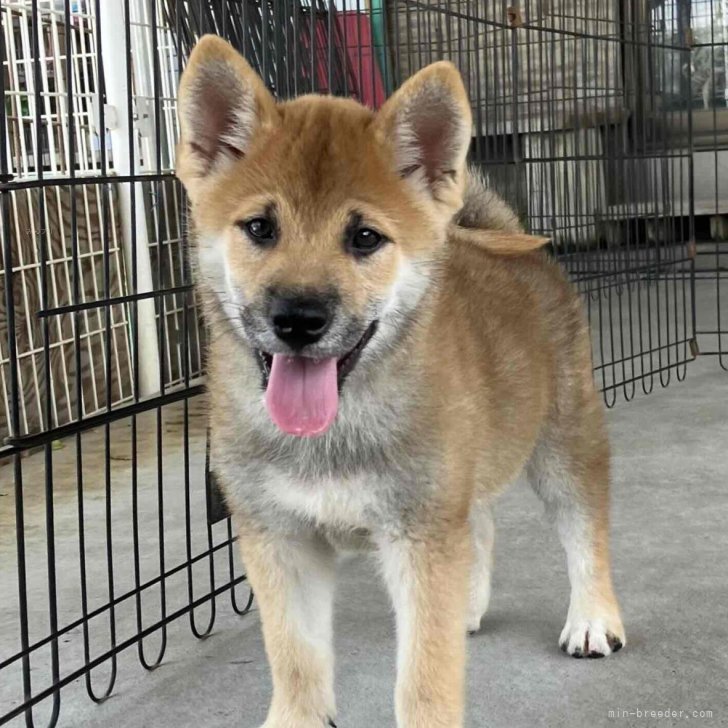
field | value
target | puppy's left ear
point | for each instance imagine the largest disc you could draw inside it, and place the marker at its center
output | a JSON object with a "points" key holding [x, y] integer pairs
{"points": [[428, 125]]}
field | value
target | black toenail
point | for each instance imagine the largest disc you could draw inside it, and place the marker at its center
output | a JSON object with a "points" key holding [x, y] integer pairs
{"points": [[331, 723], [614, 643], [578, 653], [594, 654], [563, 646]]}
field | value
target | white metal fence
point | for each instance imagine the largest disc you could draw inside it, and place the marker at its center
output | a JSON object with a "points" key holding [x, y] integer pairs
{"points": [[74, 241]]}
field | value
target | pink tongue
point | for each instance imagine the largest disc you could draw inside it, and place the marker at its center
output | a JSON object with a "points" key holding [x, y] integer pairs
{"points": [[302, 395]]}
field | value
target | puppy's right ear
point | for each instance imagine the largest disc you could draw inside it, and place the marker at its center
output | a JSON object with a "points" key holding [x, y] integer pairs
{"points": [[222, 104]]}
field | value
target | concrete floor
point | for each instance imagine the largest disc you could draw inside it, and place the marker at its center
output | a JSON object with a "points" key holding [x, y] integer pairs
{"points": [[670, 543]]}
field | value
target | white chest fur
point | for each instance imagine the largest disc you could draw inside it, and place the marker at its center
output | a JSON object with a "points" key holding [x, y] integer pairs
{"points": [[348, 503]]}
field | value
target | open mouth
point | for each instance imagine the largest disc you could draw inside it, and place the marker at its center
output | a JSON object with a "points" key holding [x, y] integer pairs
{"points": [[302, 393], [344, 365]]}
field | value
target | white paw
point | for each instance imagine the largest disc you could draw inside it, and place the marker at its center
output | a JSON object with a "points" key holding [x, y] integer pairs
{"points": [[473, 623], [584, 637], [479, 598], [313, 722]]}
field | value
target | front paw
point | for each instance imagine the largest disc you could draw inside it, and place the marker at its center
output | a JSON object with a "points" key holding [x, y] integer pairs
{"points": [[592, 637], [300, 723]]}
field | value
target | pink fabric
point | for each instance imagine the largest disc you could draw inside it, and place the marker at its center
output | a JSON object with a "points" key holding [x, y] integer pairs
{"points": [[357, 31], [353, 39]]}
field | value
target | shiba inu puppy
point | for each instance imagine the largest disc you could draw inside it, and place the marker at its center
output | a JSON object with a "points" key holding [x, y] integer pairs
{"points": [[387, 353]]}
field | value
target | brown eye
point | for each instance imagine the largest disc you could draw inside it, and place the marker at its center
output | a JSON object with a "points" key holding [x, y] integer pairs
{"points": [[260, 230], [365, 241]]}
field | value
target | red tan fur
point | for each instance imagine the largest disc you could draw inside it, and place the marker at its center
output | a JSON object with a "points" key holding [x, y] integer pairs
{"points": [[479, 369]]}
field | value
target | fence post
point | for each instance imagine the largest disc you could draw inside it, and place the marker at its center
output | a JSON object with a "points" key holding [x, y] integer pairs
{"points": [[133, 213]]}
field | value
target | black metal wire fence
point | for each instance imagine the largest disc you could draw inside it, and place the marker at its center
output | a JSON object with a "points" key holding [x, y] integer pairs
{"points": [[603, 122]]}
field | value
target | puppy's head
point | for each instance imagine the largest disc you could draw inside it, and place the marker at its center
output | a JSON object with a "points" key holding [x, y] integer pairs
{"points": [[318, 221]]}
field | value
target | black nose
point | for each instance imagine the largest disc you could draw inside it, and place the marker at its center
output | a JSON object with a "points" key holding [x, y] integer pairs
{"points": [[299, 321]]}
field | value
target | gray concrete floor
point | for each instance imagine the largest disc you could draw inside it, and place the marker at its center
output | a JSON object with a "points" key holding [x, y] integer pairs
{"points": [[670, 542]]}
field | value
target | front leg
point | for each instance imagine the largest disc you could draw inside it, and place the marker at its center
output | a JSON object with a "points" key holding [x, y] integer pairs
{"points": [[293, 578], [428, 579]]}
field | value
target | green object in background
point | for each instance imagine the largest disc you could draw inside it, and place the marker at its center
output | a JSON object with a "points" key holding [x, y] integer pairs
{"points": [[376, 13]]}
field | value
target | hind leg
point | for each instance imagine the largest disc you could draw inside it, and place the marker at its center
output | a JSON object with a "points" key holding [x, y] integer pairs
{"points": [[573, 481], [481, 527]]}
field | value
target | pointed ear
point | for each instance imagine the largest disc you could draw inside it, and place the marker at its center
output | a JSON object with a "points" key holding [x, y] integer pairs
{"points": [[222, 103], [429, 124]]}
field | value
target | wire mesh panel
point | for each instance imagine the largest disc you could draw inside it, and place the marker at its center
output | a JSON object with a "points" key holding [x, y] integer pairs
{"points": [[575, 121], [54, 148], [68, 105], [104, 538], [708, 91], [601, 121]]}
